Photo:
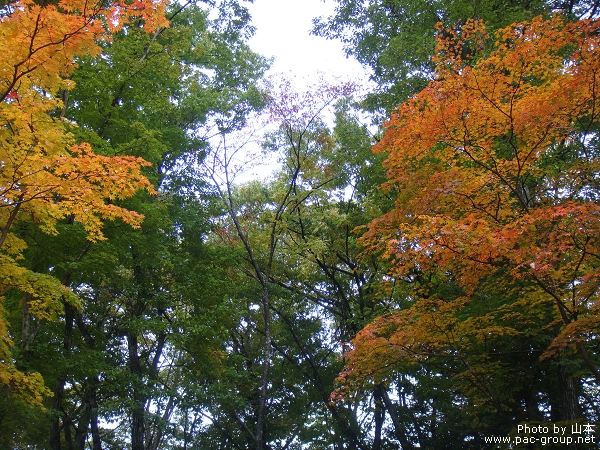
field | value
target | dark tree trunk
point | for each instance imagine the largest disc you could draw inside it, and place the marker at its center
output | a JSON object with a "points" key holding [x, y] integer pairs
{"points": [[139, 400], [399, 428], [379, 416], [96, 441], [59, 386], [569, 402]]}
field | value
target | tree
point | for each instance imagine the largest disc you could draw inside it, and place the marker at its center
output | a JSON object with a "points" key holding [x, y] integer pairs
{"points": [[495, 223], [332, 292], [153, 96], [282, 346], [396, 38], [45, 174]]}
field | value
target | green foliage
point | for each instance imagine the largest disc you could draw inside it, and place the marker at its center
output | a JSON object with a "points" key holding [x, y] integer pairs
{"points": [[223, 321], [396, 38], [113, 358]]}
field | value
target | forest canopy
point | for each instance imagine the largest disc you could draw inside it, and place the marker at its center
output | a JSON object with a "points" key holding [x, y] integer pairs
{"points": [[494, 165], [429, 282]]}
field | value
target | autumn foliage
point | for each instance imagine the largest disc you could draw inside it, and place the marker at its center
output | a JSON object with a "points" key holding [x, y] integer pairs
{"points": [[46, 176], [495, 171]]}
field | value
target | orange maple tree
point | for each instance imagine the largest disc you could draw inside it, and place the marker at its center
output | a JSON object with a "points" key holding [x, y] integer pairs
{"points": [[495, 167], [45, 175]]}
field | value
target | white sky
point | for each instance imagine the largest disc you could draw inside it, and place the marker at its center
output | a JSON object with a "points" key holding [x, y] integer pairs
{"points": [[283, 31]]}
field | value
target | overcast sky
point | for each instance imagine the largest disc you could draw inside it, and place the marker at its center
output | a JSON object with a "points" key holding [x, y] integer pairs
{"points": [[283, 31]]}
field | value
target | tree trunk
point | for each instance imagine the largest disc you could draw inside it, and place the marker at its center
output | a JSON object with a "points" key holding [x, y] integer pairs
{"points": [[569, 402], [399, 428], [96, 441], [267, 353], [55, 426], [59, 386], [379, 415], [139, 400]]}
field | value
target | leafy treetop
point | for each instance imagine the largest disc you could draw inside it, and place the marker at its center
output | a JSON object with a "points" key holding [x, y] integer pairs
{"points": [[45, 175], [494, 166]]}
